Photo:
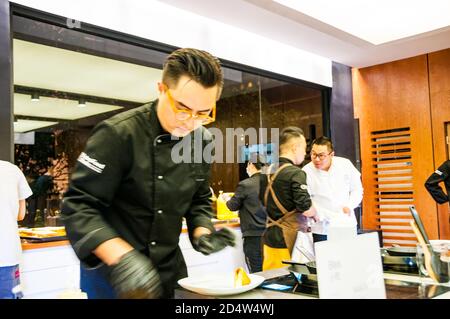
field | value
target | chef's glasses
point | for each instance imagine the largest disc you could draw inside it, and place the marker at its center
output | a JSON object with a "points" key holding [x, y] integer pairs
{"points": [[321, 156], [184, 115]]}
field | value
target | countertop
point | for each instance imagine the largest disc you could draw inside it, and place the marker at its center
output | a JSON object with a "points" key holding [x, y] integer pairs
{"points": [[233, 223], [259, 293], [27, 245]]}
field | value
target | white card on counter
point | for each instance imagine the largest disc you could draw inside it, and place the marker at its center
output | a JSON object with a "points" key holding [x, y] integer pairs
{"points": [[350, 268], [342, 232]]}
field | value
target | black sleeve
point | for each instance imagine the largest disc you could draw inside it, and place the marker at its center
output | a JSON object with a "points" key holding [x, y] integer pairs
{"points": [[262, 187], [94, 182], [300, 193], [235, 202], [432, 183], [200, 211]]}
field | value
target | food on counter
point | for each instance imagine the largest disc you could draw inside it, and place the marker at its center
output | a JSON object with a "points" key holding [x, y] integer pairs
{"points": [[223, 212], [240, 277], [43, 232]]}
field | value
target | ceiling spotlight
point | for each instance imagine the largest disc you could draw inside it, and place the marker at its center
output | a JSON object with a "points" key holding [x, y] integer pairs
{"points": [[35, 97], [81, 103]]}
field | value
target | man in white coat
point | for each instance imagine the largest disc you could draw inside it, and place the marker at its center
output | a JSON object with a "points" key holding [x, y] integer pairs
{"points": [[14, 190], [335, 187]]}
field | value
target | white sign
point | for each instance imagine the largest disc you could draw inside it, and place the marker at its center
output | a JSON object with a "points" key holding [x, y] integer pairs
{"points": [[342, 228], [350, 268]]}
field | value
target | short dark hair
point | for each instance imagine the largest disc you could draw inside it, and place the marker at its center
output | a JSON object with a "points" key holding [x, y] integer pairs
{"points": [[289, 133], [196, 64], [258, 160], [323, 140]]}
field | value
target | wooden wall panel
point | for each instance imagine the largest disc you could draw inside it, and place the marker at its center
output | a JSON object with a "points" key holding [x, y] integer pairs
{"points": [[439, 73], [391, 96]]}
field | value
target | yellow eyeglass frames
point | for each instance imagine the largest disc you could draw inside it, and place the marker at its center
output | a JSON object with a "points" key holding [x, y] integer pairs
{"points": [[184, 115]]}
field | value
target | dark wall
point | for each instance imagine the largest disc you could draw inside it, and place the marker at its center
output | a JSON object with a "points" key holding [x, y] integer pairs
{"points": [[341, 113], [6, 89]]}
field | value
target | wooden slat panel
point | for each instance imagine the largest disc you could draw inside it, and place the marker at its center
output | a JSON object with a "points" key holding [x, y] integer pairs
{"points": [[406, 161], [391, 189], [377, 175], [389, 155], [391, 148], [406, 132], [403, 166], [399, 182], [379, 209], [384, 96], [410, 203], [392, 141], [392, 223], [406, 231], [394, 196], [393, 216], [400, 238]]}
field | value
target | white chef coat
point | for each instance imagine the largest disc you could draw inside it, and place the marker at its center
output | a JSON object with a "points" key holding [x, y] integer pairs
{"points": [[333, 190], [13, 187]]}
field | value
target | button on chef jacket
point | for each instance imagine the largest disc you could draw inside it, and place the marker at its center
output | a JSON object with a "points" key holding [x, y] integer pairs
{"points": [[332, 190], [125, 184]]}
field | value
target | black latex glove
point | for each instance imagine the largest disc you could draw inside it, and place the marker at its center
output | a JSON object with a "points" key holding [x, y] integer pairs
{"points": [[135, 277], [211, 243]]}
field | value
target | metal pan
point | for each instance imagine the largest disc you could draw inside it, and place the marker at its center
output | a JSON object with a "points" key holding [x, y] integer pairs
{"points": [[402, 251], [302, 268], [400, 260]]}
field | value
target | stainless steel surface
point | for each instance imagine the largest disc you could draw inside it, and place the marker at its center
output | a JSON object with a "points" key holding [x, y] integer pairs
{"points": [[402, 251], [303, 268]]}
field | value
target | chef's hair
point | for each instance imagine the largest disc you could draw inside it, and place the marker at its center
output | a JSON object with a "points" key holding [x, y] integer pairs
{"points": [[323, 140], [198, 65], [289, 133]]}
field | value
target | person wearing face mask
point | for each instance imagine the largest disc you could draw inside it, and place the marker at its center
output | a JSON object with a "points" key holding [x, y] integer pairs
{"points": [[251, 213], [128, 193], [335, 186], [285, 196]]}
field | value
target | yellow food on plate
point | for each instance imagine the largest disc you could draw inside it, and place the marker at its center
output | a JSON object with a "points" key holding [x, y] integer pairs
{"points": [[42, 232], [241, 278]]}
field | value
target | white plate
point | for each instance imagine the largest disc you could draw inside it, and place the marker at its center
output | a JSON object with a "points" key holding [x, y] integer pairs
{"points": [[218, 284]]}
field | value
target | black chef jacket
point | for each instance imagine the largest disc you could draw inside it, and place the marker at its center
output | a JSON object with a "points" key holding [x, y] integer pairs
{"points": [[125, 184], [442, 174], [291, 190], [251, 212]]}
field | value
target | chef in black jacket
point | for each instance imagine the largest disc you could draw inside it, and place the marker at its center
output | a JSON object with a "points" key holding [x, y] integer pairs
{"points": [[129, 191], [284, 193], [442, 174], [251, 212]]}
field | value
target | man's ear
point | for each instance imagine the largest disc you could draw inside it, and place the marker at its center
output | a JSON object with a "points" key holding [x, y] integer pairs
{"points": [[161, 87], [294, 147], [332, 153]]}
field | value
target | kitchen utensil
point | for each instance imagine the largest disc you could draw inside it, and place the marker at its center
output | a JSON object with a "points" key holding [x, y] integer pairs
{"points": [[305, 253], [438, 270], [431, 259], [419, 224], [310, 266]]}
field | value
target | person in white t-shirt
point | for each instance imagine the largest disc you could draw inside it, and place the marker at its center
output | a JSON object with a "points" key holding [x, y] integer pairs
{"points": [[14, 190], [334, 184]]}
